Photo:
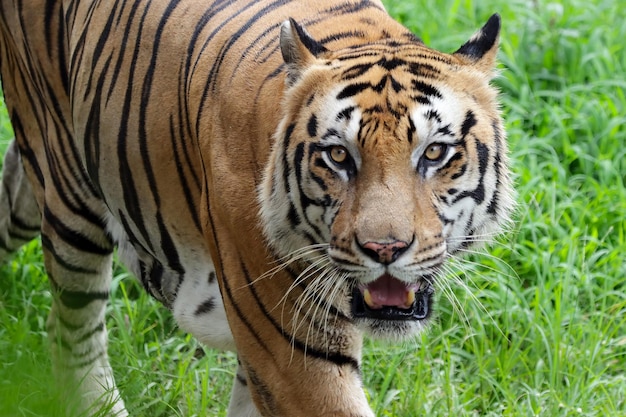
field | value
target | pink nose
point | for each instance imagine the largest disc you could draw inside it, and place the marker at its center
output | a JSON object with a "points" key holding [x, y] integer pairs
{"points": [[384, 253]]}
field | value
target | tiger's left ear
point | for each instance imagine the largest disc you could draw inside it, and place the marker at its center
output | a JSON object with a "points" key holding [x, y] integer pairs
{"points": [[299, 49], [482, 48]]}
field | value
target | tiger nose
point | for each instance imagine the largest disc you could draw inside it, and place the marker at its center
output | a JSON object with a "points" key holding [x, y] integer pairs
{"points": [[384, 252]]}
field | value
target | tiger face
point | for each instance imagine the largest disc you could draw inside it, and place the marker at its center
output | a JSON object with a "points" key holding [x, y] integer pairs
{"points": [[388, 161]]}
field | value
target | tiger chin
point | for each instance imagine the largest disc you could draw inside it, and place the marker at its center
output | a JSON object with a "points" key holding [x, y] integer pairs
{"points": [[283, 176]]}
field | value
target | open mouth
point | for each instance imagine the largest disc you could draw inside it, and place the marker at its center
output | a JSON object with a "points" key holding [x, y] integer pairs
{"points": [[388, 298]]}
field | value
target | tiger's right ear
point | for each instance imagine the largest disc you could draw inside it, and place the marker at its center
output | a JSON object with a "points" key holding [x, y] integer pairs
{"points": [[299, 49], [482, 48]]}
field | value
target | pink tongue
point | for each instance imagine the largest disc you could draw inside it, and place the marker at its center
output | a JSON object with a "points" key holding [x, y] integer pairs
{"points": [[388, 291]]}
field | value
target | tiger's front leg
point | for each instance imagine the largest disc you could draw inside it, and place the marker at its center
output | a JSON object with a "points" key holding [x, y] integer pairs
{"points": [[196, 305], [79, 271], [199, 309]]}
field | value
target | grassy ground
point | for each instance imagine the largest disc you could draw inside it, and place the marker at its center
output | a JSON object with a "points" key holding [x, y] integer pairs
{"points": [[542, 331]]}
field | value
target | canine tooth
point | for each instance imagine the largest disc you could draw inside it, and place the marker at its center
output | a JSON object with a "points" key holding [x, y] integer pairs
{"points": [[367, 297], [410, 297]]}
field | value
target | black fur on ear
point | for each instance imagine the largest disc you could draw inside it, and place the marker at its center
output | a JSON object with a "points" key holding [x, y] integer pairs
{"points": [[482, 46], [298, 48]]}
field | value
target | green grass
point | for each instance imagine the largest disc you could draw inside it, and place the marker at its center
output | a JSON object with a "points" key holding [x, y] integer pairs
{"points": [[542, 331]]}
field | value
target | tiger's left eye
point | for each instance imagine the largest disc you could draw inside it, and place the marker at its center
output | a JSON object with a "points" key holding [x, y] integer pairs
{"points": [[435, 152], [338, 154]]}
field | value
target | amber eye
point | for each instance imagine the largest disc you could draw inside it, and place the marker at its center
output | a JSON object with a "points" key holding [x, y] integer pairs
{"points": [[435, 152], [338, 154]]}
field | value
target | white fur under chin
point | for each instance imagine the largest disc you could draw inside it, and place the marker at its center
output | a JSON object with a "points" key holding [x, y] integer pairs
{"points": [[393, 332]]}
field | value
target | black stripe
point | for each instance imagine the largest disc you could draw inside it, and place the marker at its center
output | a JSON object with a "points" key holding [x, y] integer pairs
{"points": [[342, 35], [226, 289], [129, 190], [421, 100], [468, 123], [454, 158], [263, 391], [62, 52], [48, 18], [123, 47], [345, 113], [103, 39], [286, 167], [391, 64], [67, 325], [72, 237], [144, 150], [304, 200], [26, 151], [184, 184], [492, 208], [478, 194], [311, 126], [345, 8], [153, 280], [460, 172], [241, 379], [319, 162], [206, 306], [168, 247], [92, 132], [67, 148], [423, 69], [89, 334], [356, 71], [87, 362], [69, 188], [352, 90], [47, 244], [184, 127], [426, 89], [410, 130], [293, 216], [76, 300]]}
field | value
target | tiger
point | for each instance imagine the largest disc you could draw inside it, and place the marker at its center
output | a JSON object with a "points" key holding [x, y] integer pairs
{"points": [[285, 176]]}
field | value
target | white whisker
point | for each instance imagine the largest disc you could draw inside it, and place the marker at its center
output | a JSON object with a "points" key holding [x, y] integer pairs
{"points": [[300, 254], [470, 293], [464, 261]]}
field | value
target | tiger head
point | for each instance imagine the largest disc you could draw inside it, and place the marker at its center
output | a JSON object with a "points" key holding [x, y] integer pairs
{"points": [[390, 157]]}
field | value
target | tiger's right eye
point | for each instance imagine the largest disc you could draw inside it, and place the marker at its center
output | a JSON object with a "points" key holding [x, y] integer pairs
{"points": [[339, 159], [338, 154]]}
